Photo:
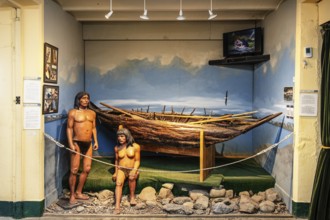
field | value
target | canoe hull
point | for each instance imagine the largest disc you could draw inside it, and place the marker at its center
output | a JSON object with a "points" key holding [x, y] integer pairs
{"points": [[177, 134]]}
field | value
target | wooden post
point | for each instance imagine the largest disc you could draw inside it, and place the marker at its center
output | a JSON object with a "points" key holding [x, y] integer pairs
{"points": [[206, 157]]}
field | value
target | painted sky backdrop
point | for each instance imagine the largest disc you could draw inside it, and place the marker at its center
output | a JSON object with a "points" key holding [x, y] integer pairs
{"points": [[156, 80]]}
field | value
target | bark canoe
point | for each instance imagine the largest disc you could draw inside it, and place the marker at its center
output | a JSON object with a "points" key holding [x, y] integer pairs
{"points": [[175, 129]]}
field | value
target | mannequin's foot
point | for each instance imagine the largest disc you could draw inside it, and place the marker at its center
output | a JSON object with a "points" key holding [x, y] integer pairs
{"points": [[133, 202], [81, 196], [117, 211]]}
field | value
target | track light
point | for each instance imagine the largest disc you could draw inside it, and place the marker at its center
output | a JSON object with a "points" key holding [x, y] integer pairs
{"points": [[211, 13], [107, 16], [180, 17], [144, 16]]}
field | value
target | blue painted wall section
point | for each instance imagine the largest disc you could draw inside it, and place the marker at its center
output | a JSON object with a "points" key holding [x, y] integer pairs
{"points": [[270, 79], [146, 81]]}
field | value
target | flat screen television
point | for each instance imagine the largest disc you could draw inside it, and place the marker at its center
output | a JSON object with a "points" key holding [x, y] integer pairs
{"points": [[243, 42]]}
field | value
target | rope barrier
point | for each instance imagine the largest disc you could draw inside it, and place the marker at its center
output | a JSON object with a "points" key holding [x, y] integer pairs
{"points": [[171, 171]]}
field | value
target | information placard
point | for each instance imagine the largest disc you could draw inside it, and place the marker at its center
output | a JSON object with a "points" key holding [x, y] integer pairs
{"points": [[32, 117], [32, 91], [308, 103]]}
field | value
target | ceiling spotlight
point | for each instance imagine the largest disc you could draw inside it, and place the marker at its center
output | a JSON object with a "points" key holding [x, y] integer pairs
{"points": [[180, 17], [107, 16], [144, 16], [211, 13]]}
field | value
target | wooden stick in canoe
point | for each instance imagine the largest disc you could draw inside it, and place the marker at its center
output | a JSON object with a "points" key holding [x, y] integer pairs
{"points": [[122, 111], [219, 119], [225, 117]]}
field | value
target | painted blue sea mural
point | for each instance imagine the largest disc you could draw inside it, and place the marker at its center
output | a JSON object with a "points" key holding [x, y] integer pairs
{"points": [[147, 83], [139, 82], [145, 79]]}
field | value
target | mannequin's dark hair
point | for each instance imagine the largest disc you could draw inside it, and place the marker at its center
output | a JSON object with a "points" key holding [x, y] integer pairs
{"points": [[78, 97]]}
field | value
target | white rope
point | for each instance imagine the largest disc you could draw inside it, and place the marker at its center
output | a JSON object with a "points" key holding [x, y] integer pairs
{"points": [[172, 171]]}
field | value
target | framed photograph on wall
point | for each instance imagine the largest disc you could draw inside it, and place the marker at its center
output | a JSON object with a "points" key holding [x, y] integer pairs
{"points": [[50, 99], [50, 63]]}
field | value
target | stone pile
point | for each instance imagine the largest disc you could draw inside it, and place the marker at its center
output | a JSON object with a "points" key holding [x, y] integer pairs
{"points": [[197, 202]]}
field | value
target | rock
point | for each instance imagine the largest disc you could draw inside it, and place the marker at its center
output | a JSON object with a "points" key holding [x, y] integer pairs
{"points": [[272, 195], [216, 193], [195, 194], [106, 202], [216, 200], [281, 207], [244, 199], [165, 193], [126, 203], [229, 193], [80, 208], [257, 198], [189, 205], [168, 186], [200, 212], [181, 199], [202, 203], [267, 206], [165, 201], [188, 211], [247, 208], [151, 203], [223, 207], [247, 205], [235, 200], [263, 195], [105, 195], [140, 205], [246, 193], [177, 209], [148, 194]]}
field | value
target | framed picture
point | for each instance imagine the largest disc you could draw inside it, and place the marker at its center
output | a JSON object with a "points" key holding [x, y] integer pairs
{"points": [[288, 94], [50, 63], [50, 99]]}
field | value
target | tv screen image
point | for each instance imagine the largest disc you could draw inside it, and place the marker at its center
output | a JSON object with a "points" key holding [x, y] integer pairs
{"points": [[243, 42]]}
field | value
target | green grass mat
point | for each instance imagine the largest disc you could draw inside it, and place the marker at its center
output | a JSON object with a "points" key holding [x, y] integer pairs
{"points": [[247, 175]]}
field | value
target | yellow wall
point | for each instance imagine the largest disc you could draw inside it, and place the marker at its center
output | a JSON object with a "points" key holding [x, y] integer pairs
{"points": [[22, 151], [7, 146], [33, 140], [307, 77], [324, 15]]}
